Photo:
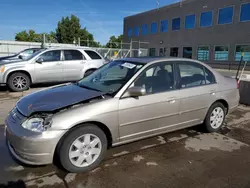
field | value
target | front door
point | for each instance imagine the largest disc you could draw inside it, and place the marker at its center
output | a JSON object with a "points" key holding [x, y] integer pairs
{"points": [[155, 112], [73, 65], [198, 91], [50, 70]]}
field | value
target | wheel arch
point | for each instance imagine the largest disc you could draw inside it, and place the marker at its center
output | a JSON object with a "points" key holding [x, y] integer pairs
{"points": [[18, 71], [100, 125], [224, 102]]}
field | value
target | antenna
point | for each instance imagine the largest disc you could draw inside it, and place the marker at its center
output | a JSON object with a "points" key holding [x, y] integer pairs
{"points": [[157, 4], [181, 3]]}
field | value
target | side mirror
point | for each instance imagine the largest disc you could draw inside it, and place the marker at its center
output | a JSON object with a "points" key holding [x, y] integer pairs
{"points": [[135, 92], [39, 60]]}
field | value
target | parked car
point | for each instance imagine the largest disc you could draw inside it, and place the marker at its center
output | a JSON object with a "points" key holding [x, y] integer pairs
{"points": [[123, 101], [21, 55], [50, 65]]}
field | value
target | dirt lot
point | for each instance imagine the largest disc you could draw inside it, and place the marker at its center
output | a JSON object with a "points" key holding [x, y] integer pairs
{"points": [[187, 158]]}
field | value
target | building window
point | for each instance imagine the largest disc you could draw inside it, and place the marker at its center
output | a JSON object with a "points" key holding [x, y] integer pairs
{"points": [[162, 52], [176, 24], [136, 31], [221, 53], [187, 52], [174, 52], [130, 31], [245, 12], [154, 28], [152, 52], [144, 29], [190, 21], [203, 53], [164, 25], [226, 15], [206, 19], [242, 50]]}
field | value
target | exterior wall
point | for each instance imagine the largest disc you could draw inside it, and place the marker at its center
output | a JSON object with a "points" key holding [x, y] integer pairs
{"points": [[228, 34]]}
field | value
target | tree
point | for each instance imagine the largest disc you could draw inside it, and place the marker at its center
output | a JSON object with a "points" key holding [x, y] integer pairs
{"points": [[115, 42], [28, 36], [68, 29], [32, 36]]}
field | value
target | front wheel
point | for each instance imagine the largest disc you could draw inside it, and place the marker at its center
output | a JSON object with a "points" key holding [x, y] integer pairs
{"points": [[19, 82], [83, 149], [215, 117]]}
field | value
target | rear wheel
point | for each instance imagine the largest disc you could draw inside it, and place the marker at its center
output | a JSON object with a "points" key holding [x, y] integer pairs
{"points": [[83, 149], [215, 117], [18, 82]]}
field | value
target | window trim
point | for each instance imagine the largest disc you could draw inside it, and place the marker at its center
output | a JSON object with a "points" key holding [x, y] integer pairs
{"points": [[195, 19], [132, 80], [63, 55], [235, 51], [211, 21], [228, 45], [232, 16], [208, 52], [195, 63], [172, 24], [240, 13]]}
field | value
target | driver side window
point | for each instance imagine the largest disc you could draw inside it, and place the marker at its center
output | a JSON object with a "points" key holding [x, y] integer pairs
{"points": [[157, 78], [54, 55]]}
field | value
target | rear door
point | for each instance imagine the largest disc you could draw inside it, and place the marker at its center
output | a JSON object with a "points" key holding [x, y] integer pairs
{"points": [[50, 70], [198, 91], [94, 60], [73, 65]]}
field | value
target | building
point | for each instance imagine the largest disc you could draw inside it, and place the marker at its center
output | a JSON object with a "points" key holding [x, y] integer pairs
{"points": [[213, 31]]}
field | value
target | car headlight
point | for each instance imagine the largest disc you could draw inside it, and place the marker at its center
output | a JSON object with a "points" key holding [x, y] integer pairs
{"points": [[2, 68], [37, 124]]}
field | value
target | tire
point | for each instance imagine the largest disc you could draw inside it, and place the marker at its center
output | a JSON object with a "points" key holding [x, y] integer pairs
{"points": [[76, 157], [218, 111], [89, 72], [18, 82]]}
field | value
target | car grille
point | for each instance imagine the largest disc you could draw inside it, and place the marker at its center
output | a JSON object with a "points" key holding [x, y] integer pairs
{"points": [[15, 116]]}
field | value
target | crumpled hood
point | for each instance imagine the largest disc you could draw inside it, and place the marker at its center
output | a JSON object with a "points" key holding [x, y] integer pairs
{"points": [[7, 57], [6, 62], [55, 98]]}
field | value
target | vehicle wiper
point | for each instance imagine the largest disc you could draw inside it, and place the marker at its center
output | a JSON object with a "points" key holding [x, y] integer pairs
{"points": [[90, 88]]}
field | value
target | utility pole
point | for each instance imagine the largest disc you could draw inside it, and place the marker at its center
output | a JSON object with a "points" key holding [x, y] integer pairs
{"points": [[79, 41]]}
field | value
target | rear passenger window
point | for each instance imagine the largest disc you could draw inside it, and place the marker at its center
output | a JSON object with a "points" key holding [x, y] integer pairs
{"points": [[92, 54], [191, 75], [70, 55], [210, 79]]}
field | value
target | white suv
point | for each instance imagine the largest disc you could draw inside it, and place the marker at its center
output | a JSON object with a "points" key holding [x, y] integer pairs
{"points": [[50, 65]]}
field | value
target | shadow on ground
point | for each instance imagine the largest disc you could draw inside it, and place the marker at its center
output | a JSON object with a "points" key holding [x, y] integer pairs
{"points": [[11, 184]]}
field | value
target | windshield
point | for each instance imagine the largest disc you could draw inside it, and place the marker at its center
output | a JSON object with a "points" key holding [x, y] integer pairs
{"points": [[34, 54], [111, 77]]}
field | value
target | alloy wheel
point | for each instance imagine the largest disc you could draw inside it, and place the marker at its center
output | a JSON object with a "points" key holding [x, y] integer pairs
{"points": [[217, 117], [85, 150], [19, 82]]}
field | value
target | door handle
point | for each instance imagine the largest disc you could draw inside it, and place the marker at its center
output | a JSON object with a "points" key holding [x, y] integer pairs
{"points": [[212, 92], [171, 100]]}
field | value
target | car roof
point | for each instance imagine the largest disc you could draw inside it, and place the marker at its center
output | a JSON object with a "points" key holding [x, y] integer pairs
{"points": [[152, 59], [69, 48]]}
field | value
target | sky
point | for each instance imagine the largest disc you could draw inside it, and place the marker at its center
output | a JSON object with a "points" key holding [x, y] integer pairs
{"points": [[103, 18]]}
